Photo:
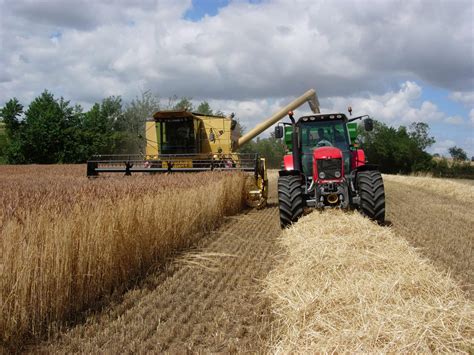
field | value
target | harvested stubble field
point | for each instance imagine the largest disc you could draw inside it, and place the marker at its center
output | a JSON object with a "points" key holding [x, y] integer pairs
{"points": [[66, 241], [437, 217], [214, 297]]}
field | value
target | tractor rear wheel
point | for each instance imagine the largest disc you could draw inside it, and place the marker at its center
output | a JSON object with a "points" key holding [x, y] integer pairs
{"points": [[372, 195], [290, 199]]}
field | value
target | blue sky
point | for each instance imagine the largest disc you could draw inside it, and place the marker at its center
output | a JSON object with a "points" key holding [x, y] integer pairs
{"points": [[399, 61], [200, 8], [461, 134]]}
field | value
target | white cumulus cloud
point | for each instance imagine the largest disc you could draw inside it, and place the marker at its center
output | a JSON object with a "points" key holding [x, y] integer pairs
{"points": [[466, 98], [86, 49], [393, 107]]}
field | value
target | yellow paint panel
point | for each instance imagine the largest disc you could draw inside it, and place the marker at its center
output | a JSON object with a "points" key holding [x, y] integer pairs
{"points": [[151, 139], [220, 129], [179, 164], [216, 127]]}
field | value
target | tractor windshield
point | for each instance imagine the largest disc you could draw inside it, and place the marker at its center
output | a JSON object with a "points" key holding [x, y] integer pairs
{"points": [[177, 136], [318, 134]]}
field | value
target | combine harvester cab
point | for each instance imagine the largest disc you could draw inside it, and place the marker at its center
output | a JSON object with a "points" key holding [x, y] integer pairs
{"points": [[326, 168], [182, 141]]}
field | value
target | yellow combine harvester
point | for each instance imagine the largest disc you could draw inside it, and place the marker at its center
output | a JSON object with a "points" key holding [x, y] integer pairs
{"points": [[182, 141]]}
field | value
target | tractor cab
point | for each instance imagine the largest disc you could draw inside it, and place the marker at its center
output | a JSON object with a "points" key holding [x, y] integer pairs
{"points": [[321, 131]]}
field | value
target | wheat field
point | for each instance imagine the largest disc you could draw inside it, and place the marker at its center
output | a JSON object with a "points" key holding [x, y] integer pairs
{"points": [[337, 281], [66, 241]]}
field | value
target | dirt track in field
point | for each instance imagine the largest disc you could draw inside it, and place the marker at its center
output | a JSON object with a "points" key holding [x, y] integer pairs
{"points": [[207, 300]]}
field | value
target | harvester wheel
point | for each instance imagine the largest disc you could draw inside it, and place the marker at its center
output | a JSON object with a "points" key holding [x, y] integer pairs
{"points": [[290, 199], [372, 195]]}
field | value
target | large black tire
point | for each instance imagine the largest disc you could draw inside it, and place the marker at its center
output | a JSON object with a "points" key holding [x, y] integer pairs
{"points": [[290, 199], [372, 195]]}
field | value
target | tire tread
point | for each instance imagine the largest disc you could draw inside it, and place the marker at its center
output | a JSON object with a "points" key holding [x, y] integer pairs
{"points": [[372, 195], [290, 199]]}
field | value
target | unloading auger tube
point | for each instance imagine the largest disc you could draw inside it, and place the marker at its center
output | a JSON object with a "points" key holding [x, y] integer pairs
{"points": [[309, 96], [257, 197]]}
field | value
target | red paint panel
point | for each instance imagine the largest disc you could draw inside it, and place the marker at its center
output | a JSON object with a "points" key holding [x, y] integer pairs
{"points": [[288, 162], [326, 153], [358, 158]]}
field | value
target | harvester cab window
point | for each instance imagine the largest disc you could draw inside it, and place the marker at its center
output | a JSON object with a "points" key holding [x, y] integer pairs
{"points": [[177, 136]]}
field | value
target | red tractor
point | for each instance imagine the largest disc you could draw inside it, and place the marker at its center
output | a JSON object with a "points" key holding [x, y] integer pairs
{"points": [[326, 168]]}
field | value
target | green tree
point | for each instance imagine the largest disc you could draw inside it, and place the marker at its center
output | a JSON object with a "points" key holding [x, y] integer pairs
{"points": [[395, 150], [3, 144], [271, 148], [184, 104], [419, 132], [132, 122], [204, 108], [10, 115], [101, 127], [42, 138], [457, 153]]}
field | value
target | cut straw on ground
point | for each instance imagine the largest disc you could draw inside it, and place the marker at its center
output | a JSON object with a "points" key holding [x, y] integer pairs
{"points": [[348, 285], [447, 188]]}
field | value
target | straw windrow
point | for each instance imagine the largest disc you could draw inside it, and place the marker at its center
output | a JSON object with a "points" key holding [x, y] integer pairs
{"points": [[346, 285]]}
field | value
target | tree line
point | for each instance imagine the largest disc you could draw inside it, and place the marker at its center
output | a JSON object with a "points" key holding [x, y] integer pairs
{"points": [[403, 150], [52, 130]]}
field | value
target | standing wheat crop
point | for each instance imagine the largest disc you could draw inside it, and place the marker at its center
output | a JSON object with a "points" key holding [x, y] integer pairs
{"points": [[67, 241]]}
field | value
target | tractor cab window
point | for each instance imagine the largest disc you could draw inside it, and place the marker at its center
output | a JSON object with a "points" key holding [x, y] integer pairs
{"points": [[177, 136], [318, 134], [324, 134]]}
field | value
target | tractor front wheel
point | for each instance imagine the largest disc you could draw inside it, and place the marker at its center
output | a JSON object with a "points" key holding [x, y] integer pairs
{"points": [[290, 199], [372, 195]]}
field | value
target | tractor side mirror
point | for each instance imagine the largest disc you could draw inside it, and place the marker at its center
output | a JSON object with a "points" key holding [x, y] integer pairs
{"points": [[279, 132], [368, 124]]}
